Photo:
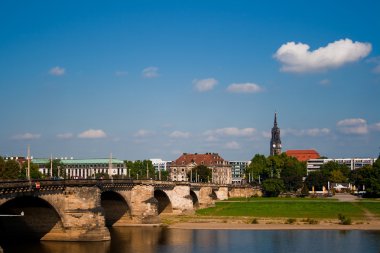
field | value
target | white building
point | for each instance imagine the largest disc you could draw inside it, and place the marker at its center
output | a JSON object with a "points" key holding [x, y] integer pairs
{"points": [[352, 163], [238, 170], [159, 164], [85, 168]]}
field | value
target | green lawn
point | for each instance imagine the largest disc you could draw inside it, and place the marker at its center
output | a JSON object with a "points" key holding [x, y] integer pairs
{"points": [[372, 206], [289, 208]]}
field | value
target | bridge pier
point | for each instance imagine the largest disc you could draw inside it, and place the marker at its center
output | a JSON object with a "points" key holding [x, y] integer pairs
{"points": [[181, 199], [144, 205], [82, 217]]}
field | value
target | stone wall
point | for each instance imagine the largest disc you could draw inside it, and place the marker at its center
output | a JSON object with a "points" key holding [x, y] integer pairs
{"points": [[244, 192]]}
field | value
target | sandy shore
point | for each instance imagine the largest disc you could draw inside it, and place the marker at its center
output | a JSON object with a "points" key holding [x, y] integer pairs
{"points": [[236, 226]]}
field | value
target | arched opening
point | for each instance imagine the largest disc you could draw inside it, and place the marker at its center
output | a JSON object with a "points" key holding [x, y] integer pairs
{"points": [[115, 207], [164, 205], [38, 219], [195, 200], [213, 195]]}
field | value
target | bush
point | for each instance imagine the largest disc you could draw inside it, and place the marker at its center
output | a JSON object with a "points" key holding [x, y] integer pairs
{"points": [[254, 221], [290, 221], [273, 187], [310, 221], [344, 220]]}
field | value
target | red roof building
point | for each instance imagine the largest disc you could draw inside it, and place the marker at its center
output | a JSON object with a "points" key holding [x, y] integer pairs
{"points": [[220, 168], [303, 155]]}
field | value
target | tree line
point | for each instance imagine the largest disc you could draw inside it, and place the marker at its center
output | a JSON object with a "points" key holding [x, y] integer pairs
{"points": [[281, 173]]}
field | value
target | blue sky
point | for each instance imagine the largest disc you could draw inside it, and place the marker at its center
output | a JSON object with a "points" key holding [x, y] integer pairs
{"points": [[153, 79]]}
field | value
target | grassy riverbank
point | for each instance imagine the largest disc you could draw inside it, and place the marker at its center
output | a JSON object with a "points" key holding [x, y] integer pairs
{"points": [[293, 208]]}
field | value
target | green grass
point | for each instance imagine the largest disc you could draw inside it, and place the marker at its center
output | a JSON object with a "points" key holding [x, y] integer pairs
{"points": [[372, 206], [285, 207]]}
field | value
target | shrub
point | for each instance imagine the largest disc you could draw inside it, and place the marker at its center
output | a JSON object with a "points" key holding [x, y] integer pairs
{"points": [[344, 220], [254, 221], [290, 221], [310, 221]]}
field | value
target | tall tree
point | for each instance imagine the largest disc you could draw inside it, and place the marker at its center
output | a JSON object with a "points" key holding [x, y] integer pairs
{"points": [[202, 172], [138, 169], [11, 170], [258, 168], [292, 173]]}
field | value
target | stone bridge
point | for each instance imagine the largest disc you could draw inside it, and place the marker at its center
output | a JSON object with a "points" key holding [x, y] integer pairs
{"points": [[81, 210]]}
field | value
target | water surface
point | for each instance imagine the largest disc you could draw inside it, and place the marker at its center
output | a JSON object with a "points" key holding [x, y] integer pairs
{"points": [[163, 240]]}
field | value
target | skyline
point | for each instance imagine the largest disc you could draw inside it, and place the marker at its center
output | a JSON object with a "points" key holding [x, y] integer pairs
{"points": [[141, 79]]}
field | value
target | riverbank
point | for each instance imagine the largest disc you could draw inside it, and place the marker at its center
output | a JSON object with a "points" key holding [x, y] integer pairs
{"points": [[275, 225]]}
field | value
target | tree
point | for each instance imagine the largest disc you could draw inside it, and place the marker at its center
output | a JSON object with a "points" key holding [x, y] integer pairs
{"points": [[273, 187], [34, 171], [368, 179], [11, 170], [202, 172], [292, 173], [2, 166], [138, 169], [317, 180], [333, 167], [258, 168]]}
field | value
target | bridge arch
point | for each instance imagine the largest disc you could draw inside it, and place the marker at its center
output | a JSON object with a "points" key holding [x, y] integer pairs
{"points": [[40, 217], [213, 195], [116, 208], [195, 199], [164, 204]]}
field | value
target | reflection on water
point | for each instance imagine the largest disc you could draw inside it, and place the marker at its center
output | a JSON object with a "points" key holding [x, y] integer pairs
{"points": [[162, 240]]}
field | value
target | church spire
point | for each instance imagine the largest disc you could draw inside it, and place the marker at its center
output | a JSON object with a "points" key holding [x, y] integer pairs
{"points": [[275, 142], [275, 119]]}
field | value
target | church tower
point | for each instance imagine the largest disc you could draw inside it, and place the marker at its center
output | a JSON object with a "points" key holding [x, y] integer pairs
{"points": [[275, 141]]}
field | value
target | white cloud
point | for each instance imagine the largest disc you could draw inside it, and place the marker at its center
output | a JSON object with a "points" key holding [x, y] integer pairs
{"points": [[376, 62], [150, 72], [142, 133], [57, 71], [205, 84], [26, 136], [179, 135], [231, 131], [312, 132], [244, 88], [65, 136], [297, 57], [92, 134], [375, 127], [232, 145], [353, 126]]}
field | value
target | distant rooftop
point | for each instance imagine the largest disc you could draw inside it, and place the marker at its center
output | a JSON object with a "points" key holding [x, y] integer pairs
{"points": [[303, 155]]}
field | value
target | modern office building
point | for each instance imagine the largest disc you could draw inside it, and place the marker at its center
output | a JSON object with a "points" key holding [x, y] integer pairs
{"points": [[238, 171], [352, 163], [159, 164]]}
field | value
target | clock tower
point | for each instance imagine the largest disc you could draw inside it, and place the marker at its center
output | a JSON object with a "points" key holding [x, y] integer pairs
{"points": [[275, 141]]}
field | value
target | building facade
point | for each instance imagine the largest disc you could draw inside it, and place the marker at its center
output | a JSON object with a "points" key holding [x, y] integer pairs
{"points": [[275, 141], [85, 168], [238, 171], [352, 163], [220, 168]]}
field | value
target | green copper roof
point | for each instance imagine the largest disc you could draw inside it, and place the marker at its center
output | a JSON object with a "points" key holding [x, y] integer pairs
{"points": [[79, 161]]}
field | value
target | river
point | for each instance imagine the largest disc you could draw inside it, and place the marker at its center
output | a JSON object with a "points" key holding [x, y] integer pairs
{"points": [[164, 240]]}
